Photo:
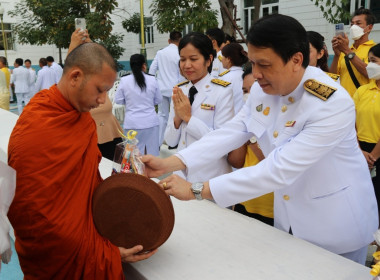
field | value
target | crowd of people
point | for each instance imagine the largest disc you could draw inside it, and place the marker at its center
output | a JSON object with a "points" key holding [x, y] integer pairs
{"points": [[23, 81], [274, 133]]}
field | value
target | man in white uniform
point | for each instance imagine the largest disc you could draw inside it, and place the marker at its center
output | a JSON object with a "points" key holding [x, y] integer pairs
{"points": [[304, 123], [217, 37], [32, 73], [56, 67], [20, 79], [46, 77], [165, 65]]}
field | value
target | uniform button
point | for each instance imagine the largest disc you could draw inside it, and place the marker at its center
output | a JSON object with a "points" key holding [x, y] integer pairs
{"points": [[291, 99], [275, 134], [286, 197], [284, 108], [183, 142]]}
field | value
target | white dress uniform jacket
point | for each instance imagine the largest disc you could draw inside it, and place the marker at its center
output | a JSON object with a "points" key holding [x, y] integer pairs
{"points": [[21, 79], [139, 105], [32, 81], [58, 71], [46, 77], [217, 65], [234, 76], [322, 185], [212, 107], [166, 63]]}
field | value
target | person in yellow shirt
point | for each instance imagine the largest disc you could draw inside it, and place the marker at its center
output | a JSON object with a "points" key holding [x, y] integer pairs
{"points": [[367, 104], [4, 93], [250, 154], [354, 58]]}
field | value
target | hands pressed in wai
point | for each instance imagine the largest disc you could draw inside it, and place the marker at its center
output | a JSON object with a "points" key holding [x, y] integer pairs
{"points": [[182, 105], [134, 254]]}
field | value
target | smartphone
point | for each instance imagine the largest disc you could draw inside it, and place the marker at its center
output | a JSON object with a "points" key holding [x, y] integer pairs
{"points": [[339, 29], [80, 23]]}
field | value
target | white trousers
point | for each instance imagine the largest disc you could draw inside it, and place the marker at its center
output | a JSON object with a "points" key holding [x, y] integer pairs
{"points": [[22, 96], [163, 116]]}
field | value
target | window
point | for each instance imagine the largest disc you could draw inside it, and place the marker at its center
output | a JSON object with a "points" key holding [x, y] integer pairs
{"points": [[149, 34], [372, 5], [8, 37], [375, 9], [267, 7]]}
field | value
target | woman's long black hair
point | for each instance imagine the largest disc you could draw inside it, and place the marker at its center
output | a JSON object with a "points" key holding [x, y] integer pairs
{"points": [[137, 61]]}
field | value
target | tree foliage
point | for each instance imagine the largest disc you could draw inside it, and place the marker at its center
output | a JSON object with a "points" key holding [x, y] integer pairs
{"points": [[52, 22], [176, 14], [334, 11]]}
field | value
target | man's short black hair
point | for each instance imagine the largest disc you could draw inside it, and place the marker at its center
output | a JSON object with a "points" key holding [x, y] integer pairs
{"points": [[43, 61], [19, 61], [28, 60], [50, 59], [217, 35], [247, 70], [284, 34], [369, 17], [175, 36]]}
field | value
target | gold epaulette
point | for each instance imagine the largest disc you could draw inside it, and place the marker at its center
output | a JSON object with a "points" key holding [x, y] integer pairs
{"points": [[224, 73], [333, 76], [220, 82], [182, 83], [319, 89], [220, 58]]}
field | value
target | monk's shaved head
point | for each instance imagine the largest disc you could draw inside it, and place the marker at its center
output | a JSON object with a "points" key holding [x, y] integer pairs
{"points": [[89, 57]]}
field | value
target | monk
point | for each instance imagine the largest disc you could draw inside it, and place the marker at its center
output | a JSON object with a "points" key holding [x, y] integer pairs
{"points": [[53, 148]]}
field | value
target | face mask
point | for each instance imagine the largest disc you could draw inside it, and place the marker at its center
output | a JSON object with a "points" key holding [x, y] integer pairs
{"points": [[373, 71], [356, 32]]}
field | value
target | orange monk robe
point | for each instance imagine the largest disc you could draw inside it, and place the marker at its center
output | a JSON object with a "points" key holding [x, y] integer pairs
{"points": [[54, 150]]}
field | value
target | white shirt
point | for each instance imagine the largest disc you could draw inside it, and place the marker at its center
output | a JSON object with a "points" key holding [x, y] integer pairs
{"points": [[139, 105], [234, 76], [203, 120], [32, 79], [58, 71], [166, 63], [217, 65], [46, 77], [21, 79], [323, 190]]}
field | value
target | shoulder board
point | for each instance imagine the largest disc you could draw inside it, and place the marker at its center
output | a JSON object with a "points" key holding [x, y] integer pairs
{"points": [[224, 73], [220, 82], [220, 58], [333, 76], [125, 75], [182, 84], [319, 89]]}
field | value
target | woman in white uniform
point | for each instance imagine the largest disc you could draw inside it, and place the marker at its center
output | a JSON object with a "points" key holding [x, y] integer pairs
{"points": [[139, 92], [234, 57], [200, 104]]}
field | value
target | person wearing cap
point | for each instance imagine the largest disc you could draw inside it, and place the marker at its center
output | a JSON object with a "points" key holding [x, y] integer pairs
{"points": [[53, 148], [304, 123]]}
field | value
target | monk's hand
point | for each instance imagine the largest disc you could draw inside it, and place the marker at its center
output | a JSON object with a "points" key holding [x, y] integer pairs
{"points": [[177, 187], [181, 104], [154, 166], [135, 254]]}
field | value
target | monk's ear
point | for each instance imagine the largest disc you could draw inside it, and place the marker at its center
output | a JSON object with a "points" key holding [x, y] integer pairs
{"points": [[76, 76]]}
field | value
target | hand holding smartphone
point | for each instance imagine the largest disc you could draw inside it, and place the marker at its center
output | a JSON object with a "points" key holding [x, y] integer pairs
{"points": [[339, 29], [80, 23]]}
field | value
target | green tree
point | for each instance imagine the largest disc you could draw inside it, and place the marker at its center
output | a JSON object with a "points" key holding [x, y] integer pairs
{"points": [[334, 11], [176, 14], [52, 22]]}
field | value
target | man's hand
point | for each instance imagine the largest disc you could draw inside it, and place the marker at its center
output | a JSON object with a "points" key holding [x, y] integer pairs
{"points": [[370, 159], [341, 43], [177, 187], [154, 166], [181, 104], [334, 43], [132, 255]]}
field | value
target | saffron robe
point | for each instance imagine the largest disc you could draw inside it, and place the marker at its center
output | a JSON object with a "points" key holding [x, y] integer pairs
{"points": [[54, 150]]}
